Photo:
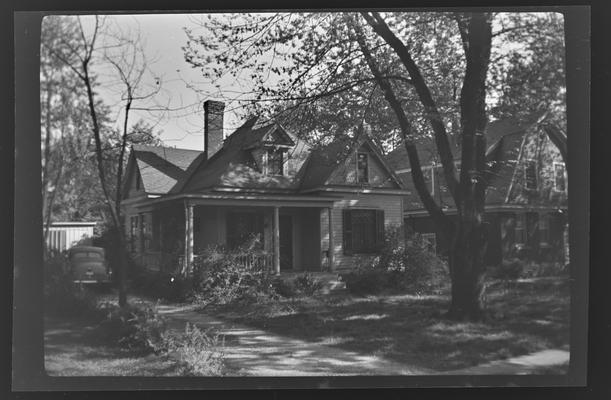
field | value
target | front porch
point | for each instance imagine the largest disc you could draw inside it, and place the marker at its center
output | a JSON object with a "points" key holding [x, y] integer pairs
{"points": [[293, 232]]}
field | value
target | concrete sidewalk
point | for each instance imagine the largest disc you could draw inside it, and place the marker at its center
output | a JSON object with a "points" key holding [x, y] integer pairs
{"points": [[523, 365], [254, 352]]}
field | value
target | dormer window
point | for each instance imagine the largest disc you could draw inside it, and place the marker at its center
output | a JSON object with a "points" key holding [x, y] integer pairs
{"points": [[530, 174], [362, 168], [275, 162]]}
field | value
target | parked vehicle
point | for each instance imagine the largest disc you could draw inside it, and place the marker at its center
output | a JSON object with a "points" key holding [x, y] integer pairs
{"points": [[88, 265]]}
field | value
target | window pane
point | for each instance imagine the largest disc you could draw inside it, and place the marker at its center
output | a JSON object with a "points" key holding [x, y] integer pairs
{"points": [[363, 231], [362, 168], [275, 161], [530, 174], [559, 177]]}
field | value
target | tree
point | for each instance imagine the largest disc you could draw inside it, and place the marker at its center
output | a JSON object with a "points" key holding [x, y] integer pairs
{"points": [[126, 57], [69, 189], [418, 74]]}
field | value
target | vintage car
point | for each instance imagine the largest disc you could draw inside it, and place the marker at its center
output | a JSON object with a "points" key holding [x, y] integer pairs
{"points": [[88, 265]]}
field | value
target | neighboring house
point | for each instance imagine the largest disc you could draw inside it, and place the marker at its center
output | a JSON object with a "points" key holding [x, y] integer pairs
{"points": [[526, 204], [64, 235], [260, 180]]}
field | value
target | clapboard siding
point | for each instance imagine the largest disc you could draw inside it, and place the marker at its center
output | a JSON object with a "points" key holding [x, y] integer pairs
{"points": [[391, 204]]}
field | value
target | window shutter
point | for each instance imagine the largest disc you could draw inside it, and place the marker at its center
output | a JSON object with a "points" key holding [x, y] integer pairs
{"points": [[379, 229], [347, 222]]}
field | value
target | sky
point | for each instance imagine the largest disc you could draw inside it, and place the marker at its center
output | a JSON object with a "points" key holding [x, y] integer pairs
{"points": [[162, 38], [183, 89]]}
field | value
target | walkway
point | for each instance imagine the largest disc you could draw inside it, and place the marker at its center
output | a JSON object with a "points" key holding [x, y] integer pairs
{"points": [[250, 351], [529, 364]]}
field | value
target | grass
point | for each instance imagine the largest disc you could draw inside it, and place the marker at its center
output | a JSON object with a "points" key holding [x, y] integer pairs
{"points": [[524, 317], [71, 350]]}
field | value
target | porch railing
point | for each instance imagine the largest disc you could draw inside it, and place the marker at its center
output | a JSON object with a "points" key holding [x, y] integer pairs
{"points": [[246, 260]]}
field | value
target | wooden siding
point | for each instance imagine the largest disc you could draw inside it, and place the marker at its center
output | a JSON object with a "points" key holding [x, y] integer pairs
{"points": [[345, 174], [393, 216], [64, 237]]}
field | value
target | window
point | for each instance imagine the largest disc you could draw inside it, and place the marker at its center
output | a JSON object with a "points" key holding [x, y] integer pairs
{"points": [[544, 229], [520, 236], [530, 175], [559, 177], [144, 234], [362, 168], [275, 162], [363, 231], [431, 240], [133, 231], [532, 229]]}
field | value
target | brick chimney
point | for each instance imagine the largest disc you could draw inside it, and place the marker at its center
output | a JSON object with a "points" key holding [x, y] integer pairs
{"points": [[213, 126]]}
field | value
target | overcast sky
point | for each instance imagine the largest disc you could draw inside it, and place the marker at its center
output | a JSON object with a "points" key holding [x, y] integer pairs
{"points": [[163, 36]]}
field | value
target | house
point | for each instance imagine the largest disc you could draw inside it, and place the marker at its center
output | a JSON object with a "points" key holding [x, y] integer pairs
{"points": [[64, 235], [314, 207], [526, 204]]}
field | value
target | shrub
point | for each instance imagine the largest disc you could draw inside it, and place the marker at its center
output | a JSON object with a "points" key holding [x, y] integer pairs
{"points": [[63, 297], [200, 352], [508, 269], [307, 284], [160, 284], [366, 281], [303, 285], [221, 276], [284, 288], [133, 328], [404, 264]]}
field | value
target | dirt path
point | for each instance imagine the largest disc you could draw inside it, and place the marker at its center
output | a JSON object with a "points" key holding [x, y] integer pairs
{"points": [[250, 351]]}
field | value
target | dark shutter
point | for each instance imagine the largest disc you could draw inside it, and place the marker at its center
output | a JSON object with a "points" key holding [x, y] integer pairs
{"points": [[347, 222], [379, 229]]}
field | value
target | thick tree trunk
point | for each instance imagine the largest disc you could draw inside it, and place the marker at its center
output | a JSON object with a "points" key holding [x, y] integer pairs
{"points": [[467, 268]]}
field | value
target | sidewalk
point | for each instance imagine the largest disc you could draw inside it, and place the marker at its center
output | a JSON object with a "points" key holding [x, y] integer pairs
{"points": [[523, 365], [255, 352]]}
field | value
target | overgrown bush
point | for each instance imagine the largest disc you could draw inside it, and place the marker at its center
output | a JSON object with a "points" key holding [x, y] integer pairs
{"points": [[404, 264], [161, 284], [63, 297], [508, 269], [516, 268], [303, 285], [222, 276], [200, 352], [134, 328], [307, 284]]}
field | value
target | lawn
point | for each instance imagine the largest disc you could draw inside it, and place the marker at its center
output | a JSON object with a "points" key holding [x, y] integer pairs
{"points": [[524, 316], [72, 350]]}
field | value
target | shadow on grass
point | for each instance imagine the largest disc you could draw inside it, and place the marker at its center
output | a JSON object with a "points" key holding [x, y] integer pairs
{"points": [[72, 349], [525, 317]]}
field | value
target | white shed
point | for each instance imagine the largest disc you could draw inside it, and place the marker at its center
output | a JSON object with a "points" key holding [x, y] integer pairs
{"points": [[64, 235]]}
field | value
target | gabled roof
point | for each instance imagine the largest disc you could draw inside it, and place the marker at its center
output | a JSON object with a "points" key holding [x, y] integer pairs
{"points": [[326, 160], [162, 167], [233, 165], [427, 149]]}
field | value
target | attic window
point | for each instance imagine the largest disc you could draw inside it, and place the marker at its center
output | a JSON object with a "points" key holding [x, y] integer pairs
{"points": [[362, 168], [530, 174], [559, 173], [275, 162]]}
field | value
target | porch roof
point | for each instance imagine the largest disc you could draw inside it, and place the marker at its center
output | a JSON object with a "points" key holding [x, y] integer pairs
{"points": [[247, 199]]}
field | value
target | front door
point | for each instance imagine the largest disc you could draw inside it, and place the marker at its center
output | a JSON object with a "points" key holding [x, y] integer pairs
{"points": [[286, 242]]}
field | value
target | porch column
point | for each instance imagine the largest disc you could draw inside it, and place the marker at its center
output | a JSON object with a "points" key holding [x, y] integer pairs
{"points": [[276, 240], [188, 236], [331, 245]]}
